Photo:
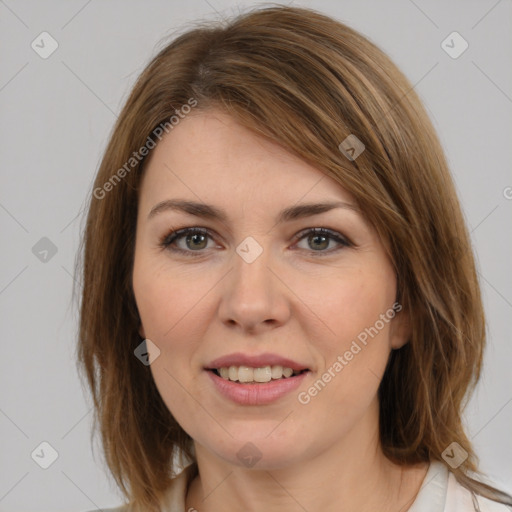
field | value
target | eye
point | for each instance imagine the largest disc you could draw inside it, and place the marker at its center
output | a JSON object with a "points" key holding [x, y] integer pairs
{"points": [[319, 239], [196, 239]]}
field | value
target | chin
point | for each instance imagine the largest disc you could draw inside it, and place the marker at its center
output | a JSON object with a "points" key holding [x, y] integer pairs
{"points": [[259, 450]]}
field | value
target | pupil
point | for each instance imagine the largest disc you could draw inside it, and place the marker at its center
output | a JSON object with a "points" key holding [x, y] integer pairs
{"points": [[194, 238], [320, 237]]}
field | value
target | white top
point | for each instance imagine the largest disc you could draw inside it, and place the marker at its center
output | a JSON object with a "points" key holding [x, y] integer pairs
{"points": [[439, 492]]}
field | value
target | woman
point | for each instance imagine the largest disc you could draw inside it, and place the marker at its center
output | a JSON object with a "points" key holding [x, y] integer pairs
{"points": [[279, 293]]}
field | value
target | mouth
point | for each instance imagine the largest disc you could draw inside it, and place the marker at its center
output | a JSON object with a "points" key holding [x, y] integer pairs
{"points": [[256, 379], [256, 386], [259, 375]]}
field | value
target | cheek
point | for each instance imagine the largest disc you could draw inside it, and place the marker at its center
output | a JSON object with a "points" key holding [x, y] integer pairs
{"points": [[167, 300], [173, 311], [169, 314], [349, 305], [356, 350]]}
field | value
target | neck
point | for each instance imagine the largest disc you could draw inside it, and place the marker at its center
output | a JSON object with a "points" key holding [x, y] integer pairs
{"points": [[351, 475]]}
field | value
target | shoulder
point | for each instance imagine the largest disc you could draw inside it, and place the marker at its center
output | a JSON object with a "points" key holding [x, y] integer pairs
{"points": [[175, 496], [460, 499], [441, 492]]}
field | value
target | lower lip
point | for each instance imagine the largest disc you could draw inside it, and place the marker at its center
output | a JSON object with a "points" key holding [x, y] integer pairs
{"points": [[256, 394]]}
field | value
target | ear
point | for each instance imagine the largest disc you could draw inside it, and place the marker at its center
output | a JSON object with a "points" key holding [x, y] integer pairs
{"points": [[400, 328], [141, 332]]}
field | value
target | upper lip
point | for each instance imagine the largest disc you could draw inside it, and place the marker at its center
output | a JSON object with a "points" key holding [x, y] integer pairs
{"points": [[254, 361]]}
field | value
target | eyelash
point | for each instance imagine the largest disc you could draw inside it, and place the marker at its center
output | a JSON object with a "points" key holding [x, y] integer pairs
{"points": [[173, 236]]}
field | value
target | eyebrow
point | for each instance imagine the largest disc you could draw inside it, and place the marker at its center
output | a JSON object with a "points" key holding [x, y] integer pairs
{"points": [[211, 212]]}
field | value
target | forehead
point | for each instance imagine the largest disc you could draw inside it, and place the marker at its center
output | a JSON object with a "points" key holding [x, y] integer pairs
{"points": [[210, 153]]}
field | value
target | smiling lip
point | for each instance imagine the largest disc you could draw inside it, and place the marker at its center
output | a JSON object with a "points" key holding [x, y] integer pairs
{"points": [[267, 359], [255, 393]]}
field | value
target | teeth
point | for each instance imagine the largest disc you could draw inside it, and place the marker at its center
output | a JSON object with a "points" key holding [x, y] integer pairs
{"points": [[287, 372], [233, 373], [245, 374], [277, 372], [248, 374], [263, 374]]}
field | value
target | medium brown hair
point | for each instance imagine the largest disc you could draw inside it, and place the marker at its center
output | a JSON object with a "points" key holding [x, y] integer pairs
{"points": [[307, 82]]}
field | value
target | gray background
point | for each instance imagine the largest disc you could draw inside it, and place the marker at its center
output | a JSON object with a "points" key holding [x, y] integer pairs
{"points": [[56, 116]]}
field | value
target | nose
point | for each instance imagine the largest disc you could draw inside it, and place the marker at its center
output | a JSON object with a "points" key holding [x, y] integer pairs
{"points": [[254, 297]]}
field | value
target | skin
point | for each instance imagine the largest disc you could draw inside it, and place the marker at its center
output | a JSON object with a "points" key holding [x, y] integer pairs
{"points": [[305, 299]]}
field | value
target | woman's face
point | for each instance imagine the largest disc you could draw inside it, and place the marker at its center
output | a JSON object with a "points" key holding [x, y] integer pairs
{"points": [[257, 289]]}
